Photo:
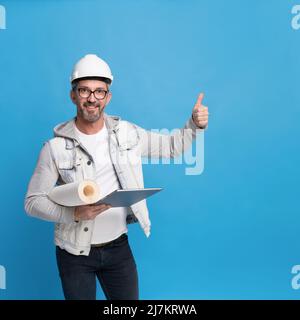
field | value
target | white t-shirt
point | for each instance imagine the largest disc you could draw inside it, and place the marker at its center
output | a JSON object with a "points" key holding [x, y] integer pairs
{"points": [[111, 223]]}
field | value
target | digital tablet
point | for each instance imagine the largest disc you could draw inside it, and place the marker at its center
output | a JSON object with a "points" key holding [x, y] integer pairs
{"points": [[127, 197]]}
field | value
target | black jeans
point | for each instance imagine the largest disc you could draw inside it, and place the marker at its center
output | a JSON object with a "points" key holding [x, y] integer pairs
{"points": [[113, 265]]}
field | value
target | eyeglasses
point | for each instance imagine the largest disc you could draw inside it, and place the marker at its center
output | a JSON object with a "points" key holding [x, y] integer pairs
{"points": [[85, 93]]}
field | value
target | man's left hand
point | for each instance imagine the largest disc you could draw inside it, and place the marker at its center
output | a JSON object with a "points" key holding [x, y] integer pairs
{"points": [[200, 113]]}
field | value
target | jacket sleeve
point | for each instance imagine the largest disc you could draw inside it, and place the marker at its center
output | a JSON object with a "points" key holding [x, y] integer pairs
{"points": [[156, 144], [44, 178]]}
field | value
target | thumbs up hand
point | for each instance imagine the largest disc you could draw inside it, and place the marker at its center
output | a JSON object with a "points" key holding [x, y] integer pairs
{"points": [[200, 113]]}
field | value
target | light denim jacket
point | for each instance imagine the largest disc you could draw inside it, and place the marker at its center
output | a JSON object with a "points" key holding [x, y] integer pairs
{"points": [[63, 160]]}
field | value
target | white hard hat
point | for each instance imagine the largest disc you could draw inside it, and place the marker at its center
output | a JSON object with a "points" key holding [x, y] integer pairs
{"points": [[91, 66]]}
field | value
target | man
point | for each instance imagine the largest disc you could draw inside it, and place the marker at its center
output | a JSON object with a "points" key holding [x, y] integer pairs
{"points": [[91, 241]]}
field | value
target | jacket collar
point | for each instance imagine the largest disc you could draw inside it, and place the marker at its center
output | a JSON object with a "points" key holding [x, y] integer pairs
{"points": [[67, 129]]}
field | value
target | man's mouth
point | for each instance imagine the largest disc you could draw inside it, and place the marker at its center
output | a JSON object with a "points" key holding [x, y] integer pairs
{"points": [[91, 108]]}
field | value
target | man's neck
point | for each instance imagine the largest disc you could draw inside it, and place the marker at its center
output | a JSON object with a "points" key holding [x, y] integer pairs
{"points": [[89, 127]]}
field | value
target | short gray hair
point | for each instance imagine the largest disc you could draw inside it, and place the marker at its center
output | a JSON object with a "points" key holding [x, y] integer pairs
{"points": [[75, 82]]}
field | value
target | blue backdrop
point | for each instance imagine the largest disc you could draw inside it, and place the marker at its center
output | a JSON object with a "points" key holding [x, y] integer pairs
{"points": [[231, 232]]}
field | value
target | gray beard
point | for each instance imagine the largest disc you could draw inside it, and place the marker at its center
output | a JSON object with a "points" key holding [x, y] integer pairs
{"points": [[90, 117]]}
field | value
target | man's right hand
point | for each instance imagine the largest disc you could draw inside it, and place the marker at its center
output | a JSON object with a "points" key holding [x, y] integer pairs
{"points": [[89, 212]]}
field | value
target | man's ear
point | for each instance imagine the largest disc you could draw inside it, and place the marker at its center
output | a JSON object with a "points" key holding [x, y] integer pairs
{"points": [[72, 96], [109, 96]]}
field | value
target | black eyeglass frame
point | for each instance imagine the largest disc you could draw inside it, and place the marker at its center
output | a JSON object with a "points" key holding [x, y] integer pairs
{"points": [[92, 92]]}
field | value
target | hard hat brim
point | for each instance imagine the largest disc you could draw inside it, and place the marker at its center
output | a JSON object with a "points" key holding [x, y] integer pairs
{"points": [[104, 79]]}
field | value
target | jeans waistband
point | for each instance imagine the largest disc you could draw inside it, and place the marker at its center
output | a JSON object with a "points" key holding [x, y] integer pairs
{"points": [[99, 245]]}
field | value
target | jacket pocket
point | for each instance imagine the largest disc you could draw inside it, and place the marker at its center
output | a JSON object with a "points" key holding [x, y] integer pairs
{"points": [[128, 145], [66, 170]]}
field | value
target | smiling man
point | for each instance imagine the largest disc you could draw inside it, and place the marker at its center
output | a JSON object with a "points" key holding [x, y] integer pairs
{"points": [[90, 108], [91, 241]]}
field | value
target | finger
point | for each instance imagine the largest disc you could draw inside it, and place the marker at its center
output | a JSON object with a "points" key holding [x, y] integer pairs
{"points": [[200, 114], [199, 100], [201, 109], [202, 119], [202, 125], [96, 213], [99, 207], [103, 209]]}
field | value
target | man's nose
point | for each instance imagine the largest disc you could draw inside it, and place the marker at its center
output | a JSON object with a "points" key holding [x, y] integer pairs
{"points": [[91, 98]]}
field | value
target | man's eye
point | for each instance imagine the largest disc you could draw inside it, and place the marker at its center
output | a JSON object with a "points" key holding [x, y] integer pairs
{"points": [[82, 90], [99, 91]]}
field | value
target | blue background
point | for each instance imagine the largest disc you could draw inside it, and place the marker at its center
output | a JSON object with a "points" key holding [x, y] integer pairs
{"points": [[231, 232]]}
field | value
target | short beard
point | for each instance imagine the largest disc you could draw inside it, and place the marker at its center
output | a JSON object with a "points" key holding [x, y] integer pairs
{"points": [[84, 114]]}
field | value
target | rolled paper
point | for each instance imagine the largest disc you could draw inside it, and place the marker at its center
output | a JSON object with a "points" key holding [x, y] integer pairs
{"points": [[75, 193]]}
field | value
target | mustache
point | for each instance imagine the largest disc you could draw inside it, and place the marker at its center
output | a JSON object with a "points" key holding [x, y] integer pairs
{"points": [[91, 104]]}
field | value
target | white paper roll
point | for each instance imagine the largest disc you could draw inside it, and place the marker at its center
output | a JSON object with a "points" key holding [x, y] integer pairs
{"points": [[75, 193]]}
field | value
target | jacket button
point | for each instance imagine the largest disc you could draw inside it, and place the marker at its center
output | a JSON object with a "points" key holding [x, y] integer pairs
{"points": [[89, 162], [86, 229], [81, 251]]}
